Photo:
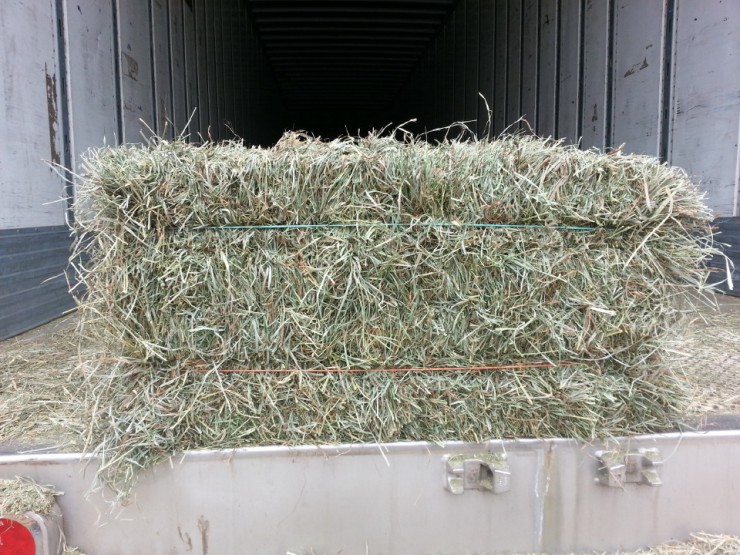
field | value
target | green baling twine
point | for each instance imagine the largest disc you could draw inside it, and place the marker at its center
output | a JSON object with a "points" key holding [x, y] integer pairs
{"points": [[383, 224]]}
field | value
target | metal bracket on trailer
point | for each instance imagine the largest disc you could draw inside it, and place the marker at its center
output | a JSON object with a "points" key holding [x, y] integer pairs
{"points": [[617, 468], [486, 471]]}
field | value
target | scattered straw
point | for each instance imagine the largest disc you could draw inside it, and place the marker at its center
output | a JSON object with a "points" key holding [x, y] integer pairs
{"points": [[43, 398], [19, 496], [709, 355], [701, 544]]}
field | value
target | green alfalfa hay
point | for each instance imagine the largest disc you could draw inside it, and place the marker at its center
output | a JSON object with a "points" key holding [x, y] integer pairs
{"points": [[151, 417], [171, 290], [415, 283]]}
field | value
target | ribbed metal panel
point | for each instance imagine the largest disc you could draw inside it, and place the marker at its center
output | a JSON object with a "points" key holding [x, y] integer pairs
{"points": [[33, 288]]}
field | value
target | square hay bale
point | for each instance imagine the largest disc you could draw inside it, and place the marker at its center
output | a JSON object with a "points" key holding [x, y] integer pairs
{"points": [[304, 293]]}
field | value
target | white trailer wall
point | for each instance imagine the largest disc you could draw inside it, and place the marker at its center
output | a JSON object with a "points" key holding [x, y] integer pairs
{"points": [[76, 74], [34, 240], [705, 98], [31, 132]]}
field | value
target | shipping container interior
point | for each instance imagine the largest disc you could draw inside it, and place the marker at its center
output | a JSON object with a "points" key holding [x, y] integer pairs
{"points": [[660, 77]]}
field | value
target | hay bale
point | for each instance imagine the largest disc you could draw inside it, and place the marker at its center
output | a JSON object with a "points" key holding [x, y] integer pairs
{"points": [[376, 254], [192, 262]]}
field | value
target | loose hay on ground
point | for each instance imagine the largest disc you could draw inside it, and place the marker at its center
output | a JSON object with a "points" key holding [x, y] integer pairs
{"points": [[20, 496], [702, 544], [43, 397]]}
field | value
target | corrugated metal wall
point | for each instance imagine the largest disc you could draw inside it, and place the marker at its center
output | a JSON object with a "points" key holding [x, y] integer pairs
{"points": [[660, 76], [76, 74]]}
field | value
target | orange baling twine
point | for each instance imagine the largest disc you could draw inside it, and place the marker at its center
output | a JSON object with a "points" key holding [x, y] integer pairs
{"points": [[204, 370]]}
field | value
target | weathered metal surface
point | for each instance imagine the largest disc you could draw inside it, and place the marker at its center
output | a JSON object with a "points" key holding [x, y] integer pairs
{"points": [[164, 74], [595, 66], [238, 50], [219, 58], [91, 77], [228, 34], [483, 471], [728, 234], [513, 64], [472, 41], [204, 114], [638, 41], [617, 467], [690, 499], [706, 97], [435, 74], [209, 27], [426, 71], [136, 69], [251, 78], [437, 84], [448, 61], [190, 39], [459, 75], [485, 64], [30, 116], [392, 498], [569, 88], [548, 75], [32, 288], [178, 61], [530, 61], [500, 70]]}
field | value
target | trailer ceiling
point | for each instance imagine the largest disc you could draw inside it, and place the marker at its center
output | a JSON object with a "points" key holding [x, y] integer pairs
{"points": [[340, 64]]}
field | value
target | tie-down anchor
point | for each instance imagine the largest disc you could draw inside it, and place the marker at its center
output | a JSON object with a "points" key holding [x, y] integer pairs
{"points": [[486, 471]]}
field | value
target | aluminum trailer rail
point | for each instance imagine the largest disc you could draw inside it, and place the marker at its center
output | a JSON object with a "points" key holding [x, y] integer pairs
{"points": [[553, 496]]}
